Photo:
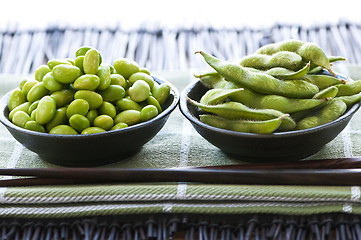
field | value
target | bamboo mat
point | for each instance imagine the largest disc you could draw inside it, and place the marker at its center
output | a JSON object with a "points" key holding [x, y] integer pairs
{"points": [[21, 51]]}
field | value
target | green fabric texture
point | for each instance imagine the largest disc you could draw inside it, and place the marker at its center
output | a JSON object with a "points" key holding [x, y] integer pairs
{"points": [[176, 145]]}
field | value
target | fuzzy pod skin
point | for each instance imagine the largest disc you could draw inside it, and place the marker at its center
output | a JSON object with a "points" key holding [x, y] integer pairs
{"points": [[260, 82], [236, 110], [284, 59], [327, 114], [309, 52], [218, 95], [247, 126], [255, 100]]}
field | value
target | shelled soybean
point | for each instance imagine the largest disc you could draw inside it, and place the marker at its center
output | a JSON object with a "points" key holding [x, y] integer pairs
{"points": [[84, 95]]}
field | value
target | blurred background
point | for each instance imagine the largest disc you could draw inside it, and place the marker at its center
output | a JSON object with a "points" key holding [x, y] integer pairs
{"points": [[163, 35]]}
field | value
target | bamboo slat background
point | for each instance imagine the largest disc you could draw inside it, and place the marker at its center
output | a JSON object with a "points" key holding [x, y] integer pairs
{"points": [[21, 51]]}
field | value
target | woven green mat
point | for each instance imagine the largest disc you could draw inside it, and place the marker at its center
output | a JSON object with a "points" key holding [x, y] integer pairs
{"points": [[176, 145]]}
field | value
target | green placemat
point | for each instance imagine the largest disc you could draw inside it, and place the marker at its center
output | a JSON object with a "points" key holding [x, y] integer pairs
{"points": [[176, 145]]}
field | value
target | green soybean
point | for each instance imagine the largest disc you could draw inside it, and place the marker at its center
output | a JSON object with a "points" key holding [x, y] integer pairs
{"points": [[45, 110], [130, 117], [141, 76], [126, 67], [20, 118], [51, 84], [27, 86], [113, 93], [33, 106], [40, 72], [78, 106], [161, 92], [59, 118], [103, 73], [139, 91], [37, 92], [63, 97], [152, 101], [120, 125], [108, 108], [148, 112], [22, 107], [63, 130], [34, 126], [55, 62], [117, 79], [83, 50], [91, 115], [65, 73], [79, 63], [92, 130], [16, 98], [91, 61], [79, 122], [104, 121], [94, 99], [87, 82], [261, 82], [127, 104]]}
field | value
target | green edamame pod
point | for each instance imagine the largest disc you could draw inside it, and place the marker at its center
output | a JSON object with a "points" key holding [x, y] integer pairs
{"points": [[215, 96], [45, 110], [309, 52], [286, 74], [350, 99], [350, 88], [16, 98], [327, 114], [284, 59], [329, 92], [316, 69], [247, 126], [261, 82], [235, 110], [323, 81], [212, 80]]}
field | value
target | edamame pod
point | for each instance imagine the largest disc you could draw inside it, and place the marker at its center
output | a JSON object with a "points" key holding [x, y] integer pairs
{"points": [[309, 52], [215, 96], [327, 114], [286, 74], [350, 99], [235, 110], [284, 59], [260, 82], [349, 88], [323, 81], [329, 92], [247, 126]]}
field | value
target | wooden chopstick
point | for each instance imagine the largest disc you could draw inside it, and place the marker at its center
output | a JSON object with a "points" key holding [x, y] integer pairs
{"points": [[55, 176]]}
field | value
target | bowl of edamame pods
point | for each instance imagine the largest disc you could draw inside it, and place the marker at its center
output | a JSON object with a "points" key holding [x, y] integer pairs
{"points": [[282, 103], [82, 112]]}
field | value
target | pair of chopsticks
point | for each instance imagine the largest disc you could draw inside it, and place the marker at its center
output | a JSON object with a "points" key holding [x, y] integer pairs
{"points": [[337, 172]]}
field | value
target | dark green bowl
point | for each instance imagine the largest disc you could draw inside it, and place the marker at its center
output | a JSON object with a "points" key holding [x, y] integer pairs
{"points": [[250, 147], [93, 149]]}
